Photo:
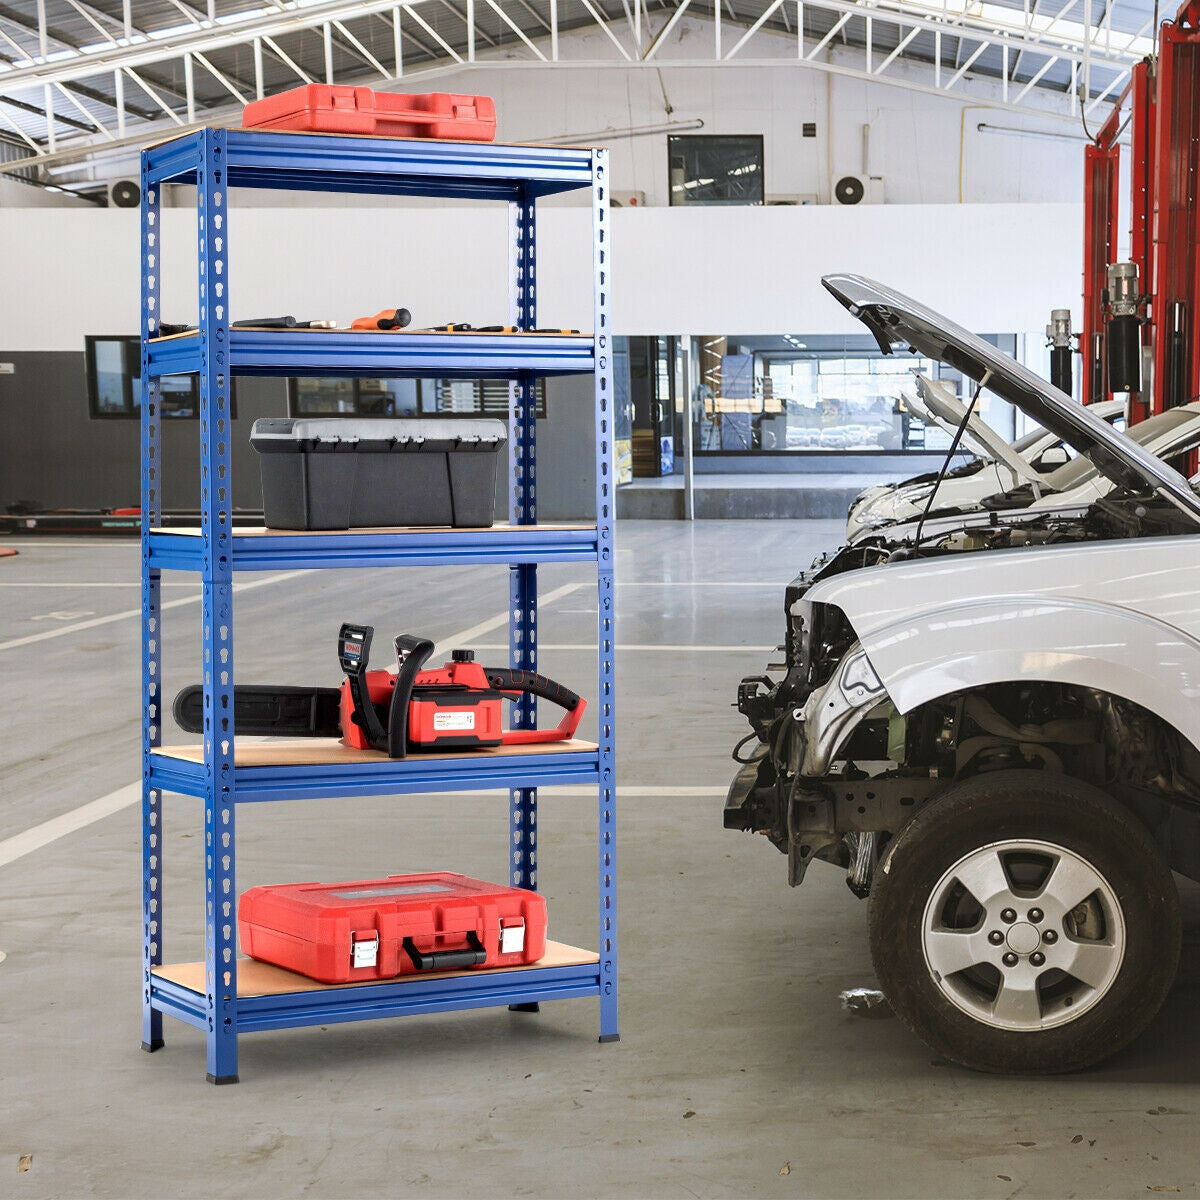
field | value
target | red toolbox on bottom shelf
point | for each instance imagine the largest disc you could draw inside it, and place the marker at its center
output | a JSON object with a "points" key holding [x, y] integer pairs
{"points": [[334, 108], [401, 925]]}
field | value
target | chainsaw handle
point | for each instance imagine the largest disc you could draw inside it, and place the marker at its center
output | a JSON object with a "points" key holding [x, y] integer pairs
{"points": [[354, 652], [411, 653], [510, 679]]}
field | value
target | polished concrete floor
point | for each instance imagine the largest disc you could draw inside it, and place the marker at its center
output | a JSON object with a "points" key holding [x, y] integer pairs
{"points": [[738, 1074]]}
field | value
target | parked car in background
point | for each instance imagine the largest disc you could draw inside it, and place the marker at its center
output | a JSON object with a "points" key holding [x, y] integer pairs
{"points": [[1072, 486], [997, 466], [991, 722]]}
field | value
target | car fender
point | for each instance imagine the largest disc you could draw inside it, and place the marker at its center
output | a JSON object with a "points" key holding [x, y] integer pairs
{"points": [[1089, 643]]}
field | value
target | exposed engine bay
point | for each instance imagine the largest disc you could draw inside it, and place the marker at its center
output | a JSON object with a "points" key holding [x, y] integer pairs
{"points": [[822, 778]]}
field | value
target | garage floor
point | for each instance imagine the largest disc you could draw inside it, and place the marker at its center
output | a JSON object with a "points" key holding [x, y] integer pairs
{"points": [[738, 1074]]}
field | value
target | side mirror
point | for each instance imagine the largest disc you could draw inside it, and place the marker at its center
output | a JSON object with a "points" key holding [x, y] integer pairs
{"points": [[1054, 456]]}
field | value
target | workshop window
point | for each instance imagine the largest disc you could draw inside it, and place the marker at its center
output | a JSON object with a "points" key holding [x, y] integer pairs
{"points": [[775, 395], [114, 383], [715, 170], [404, 397]]}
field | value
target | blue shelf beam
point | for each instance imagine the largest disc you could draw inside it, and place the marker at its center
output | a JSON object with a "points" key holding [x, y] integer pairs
{"points": [[385, 778], [174, 551], [382, 355], [379, 166], [408, 997]]}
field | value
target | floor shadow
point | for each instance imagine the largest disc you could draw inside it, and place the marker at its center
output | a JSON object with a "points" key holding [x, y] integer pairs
{"points": [[1169, 1050]]}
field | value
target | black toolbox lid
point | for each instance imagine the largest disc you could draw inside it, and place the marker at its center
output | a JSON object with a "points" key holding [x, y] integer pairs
{"points": [[289, 435]]}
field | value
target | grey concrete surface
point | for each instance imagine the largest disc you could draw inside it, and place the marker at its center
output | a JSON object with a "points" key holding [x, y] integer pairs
{"points": [[736, 1062], [750, 497]]}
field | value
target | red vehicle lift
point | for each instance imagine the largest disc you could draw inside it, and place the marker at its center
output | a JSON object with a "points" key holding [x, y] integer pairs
{"points": [[1163, 102]]}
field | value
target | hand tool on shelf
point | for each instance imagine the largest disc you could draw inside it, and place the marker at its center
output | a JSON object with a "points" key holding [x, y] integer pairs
{"points": [[390, 318], [166, 329], [455, 706], [514, 329], [281, 323]]}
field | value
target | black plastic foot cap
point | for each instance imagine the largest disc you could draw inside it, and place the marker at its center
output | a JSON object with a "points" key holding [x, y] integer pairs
{"points": [[534, 1007], [609, 1037], [218, 1079], [150, 1047]]}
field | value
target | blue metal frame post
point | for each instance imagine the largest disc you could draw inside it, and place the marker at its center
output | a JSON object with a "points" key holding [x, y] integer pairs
{"points": [[522, 441], [216, 524], [606, 603], [151, 460]]}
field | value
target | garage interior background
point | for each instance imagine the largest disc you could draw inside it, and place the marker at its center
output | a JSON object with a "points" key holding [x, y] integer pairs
{"points": [[749, 271]]}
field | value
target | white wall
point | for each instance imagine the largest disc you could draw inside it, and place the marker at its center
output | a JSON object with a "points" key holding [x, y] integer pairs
{"points": [[994, 268], [15, 194], [927, 149]]}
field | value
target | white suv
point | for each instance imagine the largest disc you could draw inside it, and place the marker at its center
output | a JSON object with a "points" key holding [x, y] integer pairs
{"points": [[992, 723]]}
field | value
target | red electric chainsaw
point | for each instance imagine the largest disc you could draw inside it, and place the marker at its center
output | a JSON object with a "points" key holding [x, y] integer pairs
{"points": [[456, 706]]}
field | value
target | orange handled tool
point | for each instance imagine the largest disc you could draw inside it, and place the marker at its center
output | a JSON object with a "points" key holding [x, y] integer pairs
{"points": [[390, 318]]}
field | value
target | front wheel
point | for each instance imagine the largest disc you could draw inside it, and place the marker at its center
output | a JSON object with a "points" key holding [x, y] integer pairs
{"points": [[1024, 922]]}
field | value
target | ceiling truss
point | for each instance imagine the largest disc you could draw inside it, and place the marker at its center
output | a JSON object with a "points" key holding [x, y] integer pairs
{"points": [[93, 83]]}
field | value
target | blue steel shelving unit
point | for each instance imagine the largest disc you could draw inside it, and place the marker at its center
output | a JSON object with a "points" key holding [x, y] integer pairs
{"points": [[216, 160]]}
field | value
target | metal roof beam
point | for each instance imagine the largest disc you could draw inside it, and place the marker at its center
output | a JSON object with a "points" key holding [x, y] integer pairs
{"points": [[361, 50], [287, 60], [390, 19], [33, 110], [605, 22], [154, 95], [433, 33], [514, 27], [665, 31], [82, 150], [18, 20], [206, 40], [221, 78], [82, 108]]}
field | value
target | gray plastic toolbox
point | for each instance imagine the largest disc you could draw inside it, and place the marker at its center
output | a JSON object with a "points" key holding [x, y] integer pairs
{"points": [[355, 472]]}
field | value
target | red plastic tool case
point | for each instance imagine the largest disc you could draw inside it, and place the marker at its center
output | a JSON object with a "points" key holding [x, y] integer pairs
{"points": [[329, 108], [401, 925]]}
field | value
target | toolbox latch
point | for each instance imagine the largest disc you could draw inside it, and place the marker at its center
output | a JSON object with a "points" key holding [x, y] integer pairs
{"points": [[364, 949], [512, 936]]}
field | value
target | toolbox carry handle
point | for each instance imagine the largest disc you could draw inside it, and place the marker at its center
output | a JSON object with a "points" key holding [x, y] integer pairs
{"points": [[474, 955]]}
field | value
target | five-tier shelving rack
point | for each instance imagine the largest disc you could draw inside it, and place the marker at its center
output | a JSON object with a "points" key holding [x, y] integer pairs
{"points": [[223, 996]]}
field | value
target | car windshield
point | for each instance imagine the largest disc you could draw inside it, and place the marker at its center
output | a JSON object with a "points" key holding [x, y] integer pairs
{"points": [[1079, 470], [1023, 445]]}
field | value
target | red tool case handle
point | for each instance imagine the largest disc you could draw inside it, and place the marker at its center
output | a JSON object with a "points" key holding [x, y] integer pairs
{"points": [[510, 680]]}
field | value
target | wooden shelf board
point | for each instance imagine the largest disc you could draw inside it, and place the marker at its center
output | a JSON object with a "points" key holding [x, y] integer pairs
{"points": [[263, 531], [262, 979], [315, 752], [524, 333]]}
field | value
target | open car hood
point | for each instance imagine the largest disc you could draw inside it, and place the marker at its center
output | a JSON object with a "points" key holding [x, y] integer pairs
{"points": [[944, 404], [895, 319], [918, 408]]}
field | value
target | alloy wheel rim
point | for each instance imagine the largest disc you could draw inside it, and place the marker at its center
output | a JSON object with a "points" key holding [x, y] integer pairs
{"points": [[1023, 935]]}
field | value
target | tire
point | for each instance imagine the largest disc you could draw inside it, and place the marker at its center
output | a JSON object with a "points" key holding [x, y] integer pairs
{"points": [[959, 963]]}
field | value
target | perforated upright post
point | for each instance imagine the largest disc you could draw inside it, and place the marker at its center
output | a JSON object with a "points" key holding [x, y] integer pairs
{"points": [[216, 527], [522, 510], [151, 435], [606, 602]]}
